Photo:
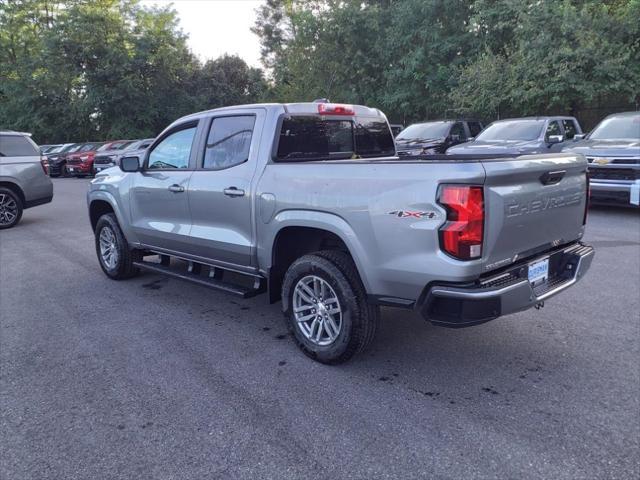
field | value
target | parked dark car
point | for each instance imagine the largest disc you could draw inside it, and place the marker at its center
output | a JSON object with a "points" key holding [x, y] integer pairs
{"points": [[111, 158], [430, 138], [613, 152], [58, 159], [521, 136]]}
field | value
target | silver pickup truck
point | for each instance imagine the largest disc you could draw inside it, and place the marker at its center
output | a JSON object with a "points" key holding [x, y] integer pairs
{"points": [[309, 203]]}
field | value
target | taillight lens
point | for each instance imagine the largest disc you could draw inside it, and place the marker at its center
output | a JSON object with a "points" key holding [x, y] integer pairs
{"points": [[335, 109], [44, 161], [461, 236]]}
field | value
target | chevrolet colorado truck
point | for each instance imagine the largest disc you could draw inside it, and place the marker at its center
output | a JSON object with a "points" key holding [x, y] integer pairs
{"points": [[309, 203]]}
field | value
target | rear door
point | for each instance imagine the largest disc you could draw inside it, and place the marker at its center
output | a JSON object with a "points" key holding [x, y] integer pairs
{"points": [[159, 203], [532, 203], [221, 189]]}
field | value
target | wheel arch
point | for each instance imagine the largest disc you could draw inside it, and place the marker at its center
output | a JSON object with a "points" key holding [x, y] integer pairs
{"points": [[103, 202], [14, 187], [301, 233]]}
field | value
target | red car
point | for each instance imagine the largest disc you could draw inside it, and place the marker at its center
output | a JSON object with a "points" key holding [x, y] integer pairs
{"points": [[80, 163]]}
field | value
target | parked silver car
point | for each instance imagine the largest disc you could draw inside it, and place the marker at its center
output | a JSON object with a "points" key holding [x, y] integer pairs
{"points": [[111, 158], [24, 182], [521, 136]]}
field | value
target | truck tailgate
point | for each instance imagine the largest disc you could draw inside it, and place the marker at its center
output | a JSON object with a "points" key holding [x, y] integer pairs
{"points": [[532, 204]]}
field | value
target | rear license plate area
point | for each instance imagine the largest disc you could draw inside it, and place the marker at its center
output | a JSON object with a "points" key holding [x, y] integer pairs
{"points": [[539, 272]]}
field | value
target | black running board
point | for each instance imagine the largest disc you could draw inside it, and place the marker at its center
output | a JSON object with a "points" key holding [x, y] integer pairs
{"points": [[211, 282]]}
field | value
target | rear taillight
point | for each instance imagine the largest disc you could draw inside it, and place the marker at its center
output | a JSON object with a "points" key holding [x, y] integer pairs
{"points": [[335, 109], [461, 236], [586, 202], [44, 161]]}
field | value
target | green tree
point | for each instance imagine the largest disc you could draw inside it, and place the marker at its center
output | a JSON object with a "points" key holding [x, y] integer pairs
{"points": [[103, 69]]}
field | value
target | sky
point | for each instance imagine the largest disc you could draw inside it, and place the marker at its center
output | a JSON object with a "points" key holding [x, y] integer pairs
{"points": [[216, 27]]}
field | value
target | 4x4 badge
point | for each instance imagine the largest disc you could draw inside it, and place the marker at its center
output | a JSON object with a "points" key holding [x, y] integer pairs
{"points": [[412, 213]]}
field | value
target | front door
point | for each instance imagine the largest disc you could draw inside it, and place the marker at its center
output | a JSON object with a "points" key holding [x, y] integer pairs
{"points": [[159, 200], [220, 190]]}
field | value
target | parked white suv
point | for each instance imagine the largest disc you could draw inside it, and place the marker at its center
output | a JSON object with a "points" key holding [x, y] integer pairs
{"points": [[24, 182]]}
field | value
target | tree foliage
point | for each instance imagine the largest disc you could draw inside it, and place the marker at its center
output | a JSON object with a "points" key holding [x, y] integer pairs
{"points": [[419, 59], [80, 70], [97, 69]]}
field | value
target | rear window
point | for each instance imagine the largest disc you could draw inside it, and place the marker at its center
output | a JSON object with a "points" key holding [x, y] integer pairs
{"points": [[307, 138], [17, 146]]}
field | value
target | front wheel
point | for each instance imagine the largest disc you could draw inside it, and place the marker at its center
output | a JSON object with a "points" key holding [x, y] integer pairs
{"points": [[10, 208], [115, 256], [326, 308]]}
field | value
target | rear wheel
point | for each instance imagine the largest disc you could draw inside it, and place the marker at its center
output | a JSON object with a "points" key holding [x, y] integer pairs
{"points": [[326, 308], [10, 208], [115, 256]]}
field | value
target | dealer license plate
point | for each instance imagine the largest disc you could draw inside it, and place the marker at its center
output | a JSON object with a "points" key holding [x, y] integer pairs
{"points": [[539, 272]]}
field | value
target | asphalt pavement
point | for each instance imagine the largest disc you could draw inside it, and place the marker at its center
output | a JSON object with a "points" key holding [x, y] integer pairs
{"points": [[157, 378]]}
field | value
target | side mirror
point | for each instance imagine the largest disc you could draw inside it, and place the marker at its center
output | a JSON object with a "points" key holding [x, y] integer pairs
{"points": [[130, 164], [555, 139], [455, 137], [579, 136]]}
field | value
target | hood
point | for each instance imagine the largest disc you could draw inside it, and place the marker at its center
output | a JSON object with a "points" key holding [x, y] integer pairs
{"points": [[81, 154], [498, 147], [605, 148]]}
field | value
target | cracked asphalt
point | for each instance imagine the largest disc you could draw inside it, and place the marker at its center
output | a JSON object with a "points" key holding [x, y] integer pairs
{"points": [[157, 378]]}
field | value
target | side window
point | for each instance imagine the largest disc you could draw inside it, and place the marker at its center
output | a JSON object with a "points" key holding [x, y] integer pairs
{"points": [[474, 128], [17, 146], [570, 129], [173, 151], [228, 142], [458, 129], [552, 129]]}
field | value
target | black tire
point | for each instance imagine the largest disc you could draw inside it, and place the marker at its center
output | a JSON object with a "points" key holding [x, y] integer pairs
{"points": [[122, 267], [10, 205], [359, 318]]}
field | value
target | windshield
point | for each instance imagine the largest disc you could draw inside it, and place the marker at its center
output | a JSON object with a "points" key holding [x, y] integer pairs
{"points": [[76, 147], [425, 131], [617, 128], [113, 146], [512, 130], [89, 146]]}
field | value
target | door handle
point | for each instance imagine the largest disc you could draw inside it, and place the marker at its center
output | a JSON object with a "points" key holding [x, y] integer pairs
{"points": [[551, 178], [176, 188], [233, 192]]}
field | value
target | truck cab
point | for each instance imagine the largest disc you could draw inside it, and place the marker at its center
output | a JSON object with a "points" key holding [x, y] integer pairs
{"points": [[309, 203]]}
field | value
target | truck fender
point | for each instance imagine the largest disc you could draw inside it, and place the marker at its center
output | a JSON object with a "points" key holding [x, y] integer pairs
{"points": [[105, 196], [313, 219]]}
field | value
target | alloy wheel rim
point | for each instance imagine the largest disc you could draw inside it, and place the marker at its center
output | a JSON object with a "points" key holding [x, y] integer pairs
{"points": [[108, 247], [317, 310], [8, 209]]}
